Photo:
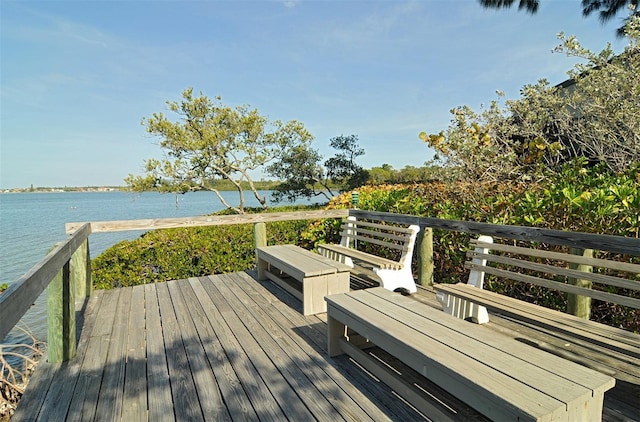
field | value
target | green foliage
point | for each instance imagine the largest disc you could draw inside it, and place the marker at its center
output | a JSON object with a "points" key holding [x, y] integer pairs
{"points": [[342, 168], [386, 174], [601, 116], [3, 287], [303, 175], [211, 141]]}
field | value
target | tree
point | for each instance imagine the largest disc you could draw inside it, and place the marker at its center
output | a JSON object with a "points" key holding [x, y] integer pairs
{"points": [[384, 174], [303, 175], [597, 117], [342, 168], [600, 116], [607, 9], [211, 141]]}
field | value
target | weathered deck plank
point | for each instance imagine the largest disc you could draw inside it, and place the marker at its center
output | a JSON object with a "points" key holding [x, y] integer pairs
{"points": [[285, 354], [134, 406], [111, 389], [183, 388], [160, 406], [267, 385], [234, 396], [206, 386]]}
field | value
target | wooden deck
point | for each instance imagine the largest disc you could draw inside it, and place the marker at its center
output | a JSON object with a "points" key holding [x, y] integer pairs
{"points": [[223, 347]]}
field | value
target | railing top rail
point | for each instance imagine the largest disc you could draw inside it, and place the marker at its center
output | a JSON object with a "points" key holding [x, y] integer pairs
{"points": [[212, 220], [22, 293], [615, 244]]}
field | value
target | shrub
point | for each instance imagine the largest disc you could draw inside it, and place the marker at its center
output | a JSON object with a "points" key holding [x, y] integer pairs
{"points": [[171, 254]]}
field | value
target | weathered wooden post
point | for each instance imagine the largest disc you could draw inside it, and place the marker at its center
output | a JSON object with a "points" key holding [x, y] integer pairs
{"points": [[577, 305], [81, 271], [260, 234], [61, 317], [425, 256]]}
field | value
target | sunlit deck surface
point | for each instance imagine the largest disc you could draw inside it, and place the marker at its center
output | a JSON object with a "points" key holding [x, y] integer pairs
{"points": [[223, 347]]}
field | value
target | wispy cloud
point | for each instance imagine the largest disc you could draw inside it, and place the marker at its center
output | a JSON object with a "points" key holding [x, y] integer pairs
{"points": [[45, 27], [290, 4]]}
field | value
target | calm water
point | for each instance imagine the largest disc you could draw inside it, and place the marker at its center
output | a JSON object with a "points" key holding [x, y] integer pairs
{"points": [[32, 223]]}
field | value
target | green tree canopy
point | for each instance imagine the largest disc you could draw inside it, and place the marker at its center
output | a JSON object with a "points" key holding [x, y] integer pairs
{"points": [[210, 141], [303, 175]]}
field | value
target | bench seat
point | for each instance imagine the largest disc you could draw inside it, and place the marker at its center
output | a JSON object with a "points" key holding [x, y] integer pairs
{"points": [[316, 275], [498, 376], [579, 275], [608, 349]]}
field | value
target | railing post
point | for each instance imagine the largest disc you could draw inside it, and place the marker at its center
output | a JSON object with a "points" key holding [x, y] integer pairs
{"points": [[81, 271], [61, 317], [260, 233], [577, 305], [425, 256]]}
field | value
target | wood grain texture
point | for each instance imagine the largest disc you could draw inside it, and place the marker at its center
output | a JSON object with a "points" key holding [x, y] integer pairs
{"points": [[491, 373], [171, 223]]}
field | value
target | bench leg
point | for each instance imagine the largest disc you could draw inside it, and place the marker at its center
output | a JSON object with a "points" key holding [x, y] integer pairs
{"points": [[262, 266], [335, 332], [394, 279], [462, 308], [314, 289]]}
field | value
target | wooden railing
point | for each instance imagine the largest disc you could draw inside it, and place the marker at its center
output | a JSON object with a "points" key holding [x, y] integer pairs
{"points": [[65, 271], [66, 274]]}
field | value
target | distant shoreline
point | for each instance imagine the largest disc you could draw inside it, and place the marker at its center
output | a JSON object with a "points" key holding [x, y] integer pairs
{"points": [[64, 189]]}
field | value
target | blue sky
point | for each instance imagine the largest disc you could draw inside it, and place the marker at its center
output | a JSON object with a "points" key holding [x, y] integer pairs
{"points": [[77, 77]]}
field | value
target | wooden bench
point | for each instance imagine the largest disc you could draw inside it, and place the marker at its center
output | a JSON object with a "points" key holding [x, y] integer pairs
{"points": [[393, 273], [497, 375], [608, 349], [306, 275]]}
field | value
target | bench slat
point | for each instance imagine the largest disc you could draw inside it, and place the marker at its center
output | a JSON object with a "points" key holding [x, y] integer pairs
{"points": [[363, 256], [575, 259], [613, 338], [380, 242], [394, 273], [492, 380], [402, 236], [563, 287], [553, 269], [445, 366], [507, 345], [298, 264], [387, 227]]}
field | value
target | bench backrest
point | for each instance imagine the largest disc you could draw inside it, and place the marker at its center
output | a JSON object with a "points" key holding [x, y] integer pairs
{"points": [[555, 270], [394, 241]]}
